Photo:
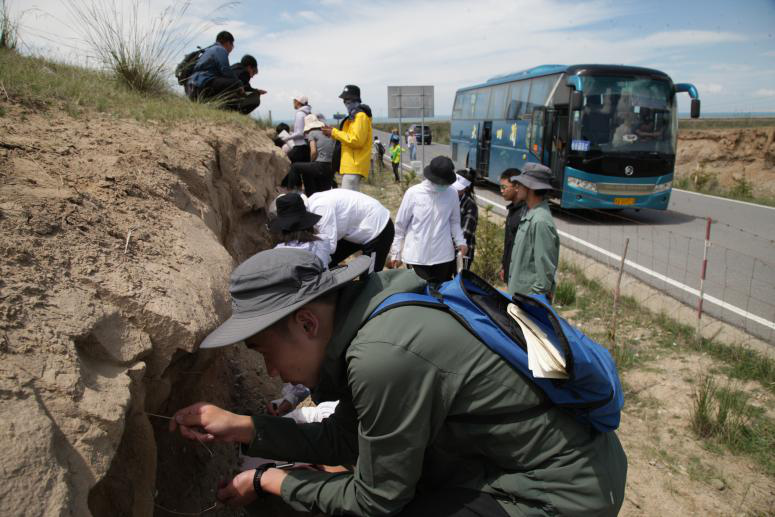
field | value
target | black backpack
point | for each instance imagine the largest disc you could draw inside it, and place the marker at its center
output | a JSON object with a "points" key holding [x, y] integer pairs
{"points": [[185, 68], [380, 148]]}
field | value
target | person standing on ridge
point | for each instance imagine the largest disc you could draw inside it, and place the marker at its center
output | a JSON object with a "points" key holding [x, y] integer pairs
{"points": [[355, 139], [300, 151]]}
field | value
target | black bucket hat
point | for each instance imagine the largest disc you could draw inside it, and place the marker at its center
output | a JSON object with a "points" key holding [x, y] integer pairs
{"points": [[272, 284], [292, 215], [441, 171], [350, 93]]}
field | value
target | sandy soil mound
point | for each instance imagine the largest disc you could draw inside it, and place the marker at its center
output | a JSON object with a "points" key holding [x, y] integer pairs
{"points": [[728, 155], [95, 332]]}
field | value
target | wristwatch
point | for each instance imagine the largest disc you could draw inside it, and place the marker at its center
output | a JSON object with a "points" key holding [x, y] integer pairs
{"points": [[257, 477]]}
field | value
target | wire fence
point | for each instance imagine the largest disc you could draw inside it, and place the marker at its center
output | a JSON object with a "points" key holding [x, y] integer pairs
{"points": [[739, 288], [667, 253]]}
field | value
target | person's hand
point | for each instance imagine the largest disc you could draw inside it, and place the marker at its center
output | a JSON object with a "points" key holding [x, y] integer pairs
{"points": [[463, 249], [393, 264], [327, 130], [239, 491], [502, 275], [209, 423], [280, 410]]}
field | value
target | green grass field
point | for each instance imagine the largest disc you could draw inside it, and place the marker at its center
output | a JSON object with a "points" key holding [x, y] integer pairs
{"points": [[39, 83]]}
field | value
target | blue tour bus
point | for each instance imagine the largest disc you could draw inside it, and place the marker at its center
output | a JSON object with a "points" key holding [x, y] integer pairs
{"points": [[608, 132]]}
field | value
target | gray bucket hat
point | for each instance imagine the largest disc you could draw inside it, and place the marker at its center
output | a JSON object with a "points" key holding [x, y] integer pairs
{"points": [[272, 284], [535, 177]]}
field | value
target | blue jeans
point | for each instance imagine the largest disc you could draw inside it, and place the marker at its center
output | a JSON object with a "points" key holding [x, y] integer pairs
{"points": [[413, 152]]}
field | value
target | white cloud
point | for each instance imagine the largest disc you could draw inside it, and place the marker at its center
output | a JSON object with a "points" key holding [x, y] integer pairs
{"points": [[765, 92], [709, 87], [683, 38]]}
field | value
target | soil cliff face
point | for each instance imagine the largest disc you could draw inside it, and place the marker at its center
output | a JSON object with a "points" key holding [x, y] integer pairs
{"points": [[727, 155], [117, 243]]}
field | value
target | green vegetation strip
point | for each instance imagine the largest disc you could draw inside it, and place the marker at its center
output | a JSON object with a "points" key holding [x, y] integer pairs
{"points": [[38, 84]]}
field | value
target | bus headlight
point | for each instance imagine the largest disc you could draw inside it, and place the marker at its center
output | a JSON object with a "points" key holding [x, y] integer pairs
{"points": [[662, 187], [582, 184]]}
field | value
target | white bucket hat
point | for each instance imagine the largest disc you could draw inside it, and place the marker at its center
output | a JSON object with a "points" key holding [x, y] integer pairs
{"points": [[301, 99], [460, 183], [311, 122]]}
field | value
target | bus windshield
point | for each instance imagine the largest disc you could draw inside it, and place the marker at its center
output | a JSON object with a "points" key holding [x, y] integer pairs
{"points": [[626, 115]]}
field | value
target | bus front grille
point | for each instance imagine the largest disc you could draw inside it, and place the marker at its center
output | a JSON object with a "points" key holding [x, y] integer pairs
{"points": [[625, 189]]}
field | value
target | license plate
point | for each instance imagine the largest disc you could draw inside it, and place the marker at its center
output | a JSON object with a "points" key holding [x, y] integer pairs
{"points": [[624, 200]]}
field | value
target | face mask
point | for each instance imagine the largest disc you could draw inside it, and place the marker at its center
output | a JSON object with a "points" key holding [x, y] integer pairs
{"points": [[351, 105], [439, 188]]}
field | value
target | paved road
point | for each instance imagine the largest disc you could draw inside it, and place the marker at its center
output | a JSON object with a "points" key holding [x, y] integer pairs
{"points": [[666, 249]]}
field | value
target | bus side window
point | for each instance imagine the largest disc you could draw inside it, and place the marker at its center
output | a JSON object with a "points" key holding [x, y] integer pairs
{"points": [[518, 93]]}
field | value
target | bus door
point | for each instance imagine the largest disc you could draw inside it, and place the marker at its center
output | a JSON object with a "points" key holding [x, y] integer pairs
{"points": [[483, 150], [535, 135]]}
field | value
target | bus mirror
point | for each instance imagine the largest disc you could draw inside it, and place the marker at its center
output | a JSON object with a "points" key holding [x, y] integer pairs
{"points": [[695, 111], [576, 100]]}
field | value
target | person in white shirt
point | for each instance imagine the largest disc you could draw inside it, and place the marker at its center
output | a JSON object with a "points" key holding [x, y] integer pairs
{"points": [[351, 221], [428, 225], [294, 227]]}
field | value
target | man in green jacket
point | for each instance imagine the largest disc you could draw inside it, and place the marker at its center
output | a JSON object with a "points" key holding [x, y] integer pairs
{"points": [[536, 249], [431, 421]]}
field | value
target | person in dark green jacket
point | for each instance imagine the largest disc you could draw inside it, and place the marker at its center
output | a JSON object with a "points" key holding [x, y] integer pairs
{"points": [[430, 420], [536, 249]]}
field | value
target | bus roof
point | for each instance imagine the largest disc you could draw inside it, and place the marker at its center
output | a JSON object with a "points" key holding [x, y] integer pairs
{"points": [[539, 71]]}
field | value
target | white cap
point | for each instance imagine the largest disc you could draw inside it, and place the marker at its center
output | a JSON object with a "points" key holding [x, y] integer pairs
{"points": [[301, 99], [460, 183]]}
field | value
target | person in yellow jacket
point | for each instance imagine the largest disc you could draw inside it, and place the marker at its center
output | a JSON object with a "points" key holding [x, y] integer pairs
{"points": [[355, 139]]}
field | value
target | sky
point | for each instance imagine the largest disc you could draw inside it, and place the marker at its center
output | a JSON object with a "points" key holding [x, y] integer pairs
{"points": [[315, 47]]}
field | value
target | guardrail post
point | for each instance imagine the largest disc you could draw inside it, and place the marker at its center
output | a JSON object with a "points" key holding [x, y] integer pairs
{"points": [[702, 275], [616, 292]]}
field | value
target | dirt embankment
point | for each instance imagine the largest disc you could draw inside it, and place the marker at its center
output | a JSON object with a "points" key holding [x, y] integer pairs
{"points": [[97, 328], [729, 155]]}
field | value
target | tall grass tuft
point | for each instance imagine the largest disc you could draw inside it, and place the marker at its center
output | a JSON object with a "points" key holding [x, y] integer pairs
{"points": [[137, 47], [489, 248], [9, 27]]}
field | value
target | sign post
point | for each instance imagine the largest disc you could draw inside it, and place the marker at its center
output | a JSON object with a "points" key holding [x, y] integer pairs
{"points": [[411, 102]]}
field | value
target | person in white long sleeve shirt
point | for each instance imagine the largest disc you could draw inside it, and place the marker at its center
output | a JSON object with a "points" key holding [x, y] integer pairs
{"points": [[300, 150], [428, 229], [351, 221]]}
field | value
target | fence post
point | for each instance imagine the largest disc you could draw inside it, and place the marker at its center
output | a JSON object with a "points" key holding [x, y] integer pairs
{"points": [[702, 275], [616, 292]]}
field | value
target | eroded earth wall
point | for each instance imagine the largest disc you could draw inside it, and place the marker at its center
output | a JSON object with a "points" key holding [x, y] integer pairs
{"points": [[98, 325]]}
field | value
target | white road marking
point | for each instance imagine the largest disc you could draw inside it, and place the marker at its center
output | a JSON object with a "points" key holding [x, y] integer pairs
{"points": [[658, 276], [725, 199]]}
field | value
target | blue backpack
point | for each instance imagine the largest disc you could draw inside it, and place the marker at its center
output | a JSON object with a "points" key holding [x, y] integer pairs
{"points": [[592, 393]]}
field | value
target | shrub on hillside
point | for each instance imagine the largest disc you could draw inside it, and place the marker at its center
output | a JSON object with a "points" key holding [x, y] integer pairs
{"points": [[136, 46], [9, 27]]}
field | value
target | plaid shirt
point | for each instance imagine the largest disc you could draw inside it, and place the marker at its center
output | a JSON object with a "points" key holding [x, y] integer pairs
{"points": [[469, 217]]}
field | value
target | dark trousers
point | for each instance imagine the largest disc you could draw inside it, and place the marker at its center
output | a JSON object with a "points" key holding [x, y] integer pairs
{"points": [[299, 153], [226, 92], [316, 176], [453, 502], [395, 170], [379, 246], [436, 273]]}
